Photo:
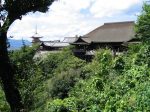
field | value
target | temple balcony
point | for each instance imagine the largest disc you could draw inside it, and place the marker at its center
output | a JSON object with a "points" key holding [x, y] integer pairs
{"points": [[79, 51]]}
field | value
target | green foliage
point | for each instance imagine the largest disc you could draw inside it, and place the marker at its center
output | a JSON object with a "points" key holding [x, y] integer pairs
{"points": [[29, 75], [54, 60], [119, 64], [60, 84], [113, 84], [16, 9], [63, 83], [21, 60], [40, 79], [3, 104], [143, 24], [24, 54], [70, 63], [65, 76], [56, 106], [10, 10], [99, 66], [50, 63]]}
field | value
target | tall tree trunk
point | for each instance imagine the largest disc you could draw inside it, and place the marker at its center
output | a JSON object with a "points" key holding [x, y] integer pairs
{"points": [[7, 76]]}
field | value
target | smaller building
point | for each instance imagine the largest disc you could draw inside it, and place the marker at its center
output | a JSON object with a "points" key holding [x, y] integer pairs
{"points": [[53, 45], [36, 38], [56, 45]]}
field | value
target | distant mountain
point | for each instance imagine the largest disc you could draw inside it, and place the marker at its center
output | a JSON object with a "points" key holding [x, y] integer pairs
{"points": [[16, 44]]}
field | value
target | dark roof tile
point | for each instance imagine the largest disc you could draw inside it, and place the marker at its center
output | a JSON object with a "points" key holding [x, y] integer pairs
{"points": [[112, 32]]}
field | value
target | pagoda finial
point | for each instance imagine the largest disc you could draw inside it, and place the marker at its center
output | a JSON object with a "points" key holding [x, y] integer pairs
{"points": [[36, 29]]}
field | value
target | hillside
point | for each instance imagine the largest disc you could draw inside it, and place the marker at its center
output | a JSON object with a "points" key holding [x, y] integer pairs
{"points": [[61, 82]]}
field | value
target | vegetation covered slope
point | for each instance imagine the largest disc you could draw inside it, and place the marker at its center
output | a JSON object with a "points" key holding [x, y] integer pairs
{"points": [[112, 84], [63, 83]]}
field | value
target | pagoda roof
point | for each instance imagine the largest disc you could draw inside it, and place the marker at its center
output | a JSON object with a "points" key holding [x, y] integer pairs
{"points": [[36, 35]]}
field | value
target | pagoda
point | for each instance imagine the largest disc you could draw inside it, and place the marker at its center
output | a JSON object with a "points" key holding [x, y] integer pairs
{"points": [[36, 38]]}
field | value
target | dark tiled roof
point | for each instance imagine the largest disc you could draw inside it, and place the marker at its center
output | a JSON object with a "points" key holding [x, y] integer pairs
{"points": [[80, 40], [56, 44], [112, 32], [70, 39]]}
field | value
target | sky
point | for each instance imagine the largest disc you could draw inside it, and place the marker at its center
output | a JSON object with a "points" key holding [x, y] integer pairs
{"points": [[68, 18]]}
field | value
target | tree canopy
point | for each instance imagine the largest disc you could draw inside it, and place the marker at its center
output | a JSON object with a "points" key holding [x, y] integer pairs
{"points": [[143, 24], [15, 9], [10, 10]]}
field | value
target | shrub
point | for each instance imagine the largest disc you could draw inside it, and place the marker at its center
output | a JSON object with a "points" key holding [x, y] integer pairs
{"points": [[61, 84], [56, 106], [49, 64], [4, 107]]}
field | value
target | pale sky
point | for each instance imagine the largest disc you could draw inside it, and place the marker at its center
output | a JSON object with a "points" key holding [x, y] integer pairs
{"points": [[67, 18]]}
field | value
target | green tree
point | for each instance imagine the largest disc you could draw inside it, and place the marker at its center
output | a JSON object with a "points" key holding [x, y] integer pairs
{"points": [[143, 24], [10, 10]]}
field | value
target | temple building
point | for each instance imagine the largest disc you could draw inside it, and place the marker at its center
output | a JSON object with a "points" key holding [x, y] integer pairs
{"points": [[115, 36]]}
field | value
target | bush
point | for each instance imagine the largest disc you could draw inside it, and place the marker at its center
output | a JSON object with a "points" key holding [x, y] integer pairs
{"points": [[56, 106], [4, 107], [65, 77], [49, 64], [61, 84]]}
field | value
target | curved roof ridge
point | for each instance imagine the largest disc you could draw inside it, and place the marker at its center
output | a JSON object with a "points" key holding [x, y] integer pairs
{"points": [[121, 22]]}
